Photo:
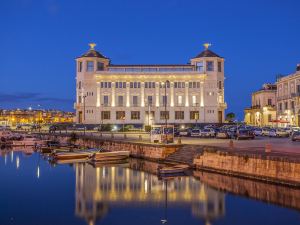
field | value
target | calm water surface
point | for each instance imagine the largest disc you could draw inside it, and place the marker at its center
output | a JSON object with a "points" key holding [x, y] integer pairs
{"points": [[32, 191]]}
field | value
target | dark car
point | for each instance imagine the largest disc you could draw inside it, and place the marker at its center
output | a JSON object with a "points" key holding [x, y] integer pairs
{"points": [[244, 134], [295, 136]]}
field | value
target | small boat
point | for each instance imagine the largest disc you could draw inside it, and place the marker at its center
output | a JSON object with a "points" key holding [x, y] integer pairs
{"points": [[110, 156], [180, 168], [67, 156], [28, 141]]}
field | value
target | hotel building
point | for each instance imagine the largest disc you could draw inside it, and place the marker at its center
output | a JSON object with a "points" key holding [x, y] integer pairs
{"points": [[288, 98], [263, 107], [107, 93]]}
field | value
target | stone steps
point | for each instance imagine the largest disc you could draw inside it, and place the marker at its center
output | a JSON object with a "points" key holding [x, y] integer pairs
{"points": [[185, 154]]}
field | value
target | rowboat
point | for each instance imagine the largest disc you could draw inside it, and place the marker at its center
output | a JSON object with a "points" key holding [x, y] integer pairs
{"points": [[66, 156], [110, 156], [180, 168]]}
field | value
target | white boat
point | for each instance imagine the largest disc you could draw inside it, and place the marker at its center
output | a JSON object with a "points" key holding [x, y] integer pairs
{"points": [[110, 156], [28, 141]]}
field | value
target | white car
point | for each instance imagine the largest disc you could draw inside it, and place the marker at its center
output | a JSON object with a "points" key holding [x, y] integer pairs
{"points": [[208, 132], [278, 133], [257, 132], [265, 132], [196, 133]]}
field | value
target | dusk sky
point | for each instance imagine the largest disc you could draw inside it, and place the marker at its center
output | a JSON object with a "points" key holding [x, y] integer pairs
{"points": [[41, 38]]}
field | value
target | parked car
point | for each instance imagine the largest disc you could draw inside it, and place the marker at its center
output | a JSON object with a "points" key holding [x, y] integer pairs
{"points": [[185, 132], [208, 132], [244, 134], [295, 136], [222, 134], [196, 133], [278, 133], [257, 132], [265, 131]]}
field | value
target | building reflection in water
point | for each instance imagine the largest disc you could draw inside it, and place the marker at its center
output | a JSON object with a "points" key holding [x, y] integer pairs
{"points": [[97, 189]]}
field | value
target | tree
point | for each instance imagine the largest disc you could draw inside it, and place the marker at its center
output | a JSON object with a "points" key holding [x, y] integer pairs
{"points": [[230, 117]]}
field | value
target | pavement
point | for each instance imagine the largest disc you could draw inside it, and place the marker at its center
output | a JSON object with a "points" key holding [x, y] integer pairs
{"points": [[280, 145]]}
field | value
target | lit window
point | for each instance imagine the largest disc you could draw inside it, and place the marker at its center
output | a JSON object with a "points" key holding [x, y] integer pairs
{"points": [[199, 66], [135, 115]]}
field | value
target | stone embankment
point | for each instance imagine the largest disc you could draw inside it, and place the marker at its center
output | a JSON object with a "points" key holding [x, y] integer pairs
{"points": [[262, 191], [278, 168]]}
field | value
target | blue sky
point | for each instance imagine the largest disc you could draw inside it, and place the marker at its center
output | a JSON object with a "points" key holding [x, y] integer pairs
{"points": [[40, 39]]}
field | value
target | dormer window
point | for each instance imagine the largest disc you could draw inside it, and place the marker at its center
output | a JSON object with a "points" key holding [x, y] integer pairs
{"points": [[200, 66], [210, 66], [100, 66], [90, 66]]}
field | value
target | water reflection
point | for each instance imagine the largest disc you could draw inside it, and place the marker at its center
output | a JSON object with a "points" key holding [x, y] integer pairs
{"points": [[99, 188]]}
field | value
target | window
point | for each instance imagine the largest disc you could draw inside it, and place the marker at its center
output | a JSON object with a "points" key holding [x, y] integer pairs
{"points": [[79, 99], [194, 100], [120, 84], [199, 66], [120, 100], [219, 66], [286, 105], [149, 84], [164, 115], [135, 115], [90, 66], [100, 66], [269, 101], [179, 100], [135, 85], [220, 84], [120, 115], [162, 84], [280, 106], [79, 66], [179, 115], [135, 101], [164, 100], [292, 105], [105, 115], [269, 117], [105, 84], [150, 100], [105, 100], [194, 115], [79, 85], [210, 66], [198, 84]]}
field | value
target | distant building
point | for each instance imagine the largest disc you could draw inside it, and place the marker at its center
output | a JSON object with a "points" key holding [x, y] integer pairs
{"points": [[32, 116], [288, 98], [149, 94], [263, 108]]}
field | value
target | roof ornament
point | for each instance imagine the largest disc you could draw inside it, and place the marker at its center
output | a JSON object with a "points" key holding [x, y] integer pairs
{"points": [[92, 46], [206, 45]]}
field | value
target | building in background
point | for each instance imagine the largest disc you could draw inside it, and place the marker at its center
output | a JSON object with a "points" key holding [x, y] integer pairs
{"points": [[263, 107], [31, 116], [288, 98], [149, 94]]}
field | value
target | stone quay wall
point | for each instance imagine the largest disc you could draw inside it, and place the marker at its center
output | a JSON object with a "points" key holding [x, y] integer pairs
{"points": [[142, 150], [252, 165], [276, 194]]}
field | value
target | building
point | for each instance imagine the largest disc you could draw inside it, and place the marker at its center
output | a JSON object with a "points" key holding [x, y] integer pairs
{"points": [[263, 107], [33, 116], [288, 98], [149, 94]]}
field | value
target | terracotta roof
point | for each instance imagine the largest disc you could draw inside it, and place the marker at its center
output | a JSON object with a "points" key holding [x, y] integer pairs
{"points": [[207, 53]]}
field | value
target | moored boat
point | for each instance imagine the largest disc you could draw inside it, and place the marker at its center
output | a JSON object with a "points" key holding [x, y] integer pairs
{"points": [[110, 156], [180, 168], [67, 156]]}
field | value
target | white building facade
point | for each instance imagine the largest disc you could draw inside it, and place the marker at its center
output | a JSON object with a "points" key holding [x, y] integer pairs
{"points": [[149, 94], [288, 98]]}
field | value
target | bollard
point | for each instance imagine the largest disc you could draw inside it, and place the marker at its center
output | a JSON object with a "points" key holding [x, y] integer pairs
{"points": [[140, 137], [231, 143], [112, 135], [268, 148], [125, 136], [179, 140]]}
